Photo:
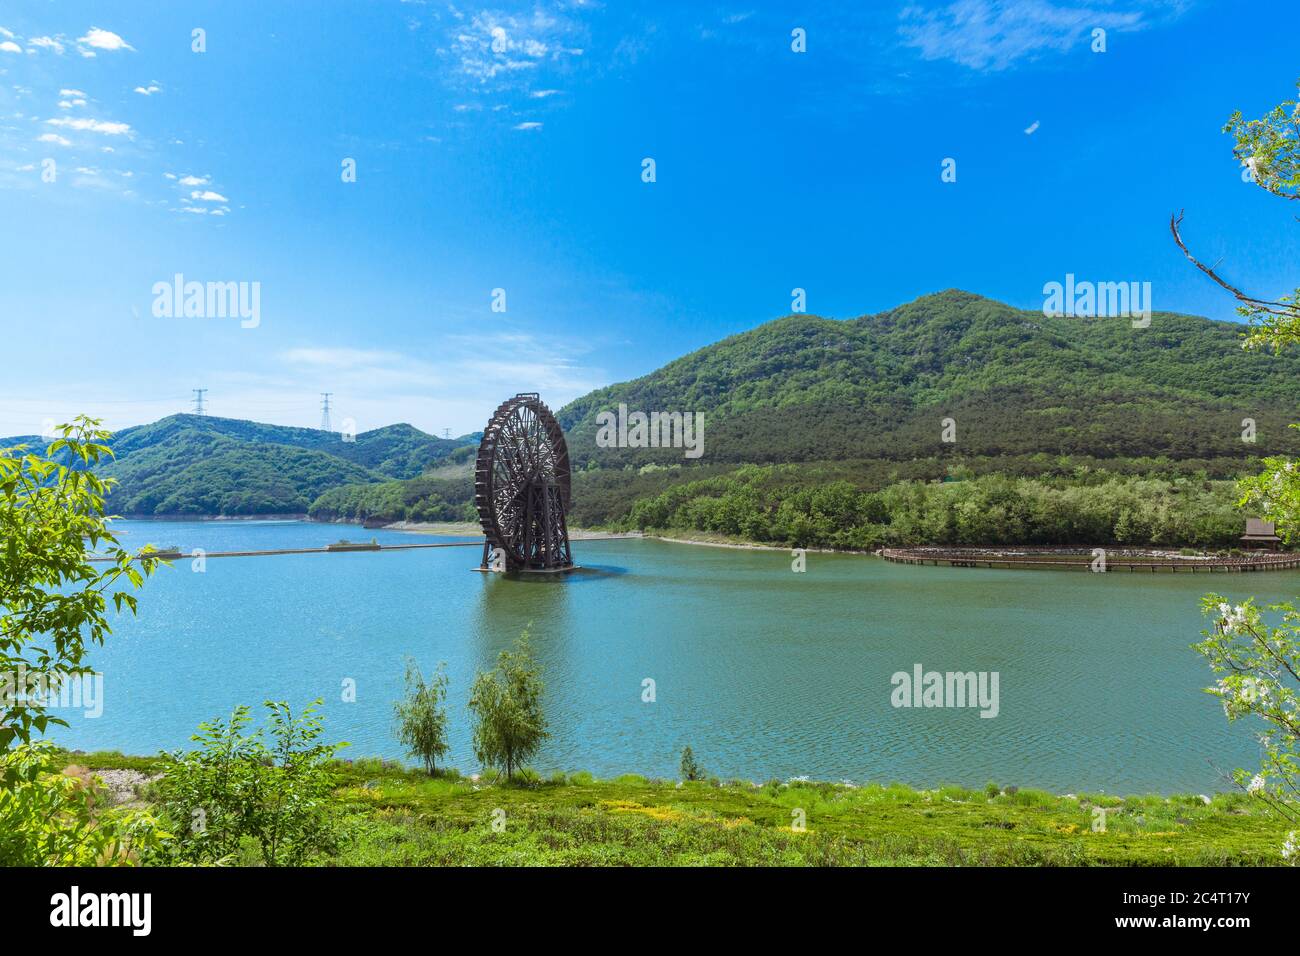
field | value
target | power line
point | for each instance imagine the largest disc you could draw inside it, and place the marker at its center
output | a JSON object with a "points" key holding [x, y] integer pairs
{"points": [[198, 400], [325, 412]]}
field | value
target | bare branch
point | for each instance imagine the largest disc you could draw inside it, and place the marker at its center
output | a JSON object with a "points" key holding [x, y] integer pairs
{"points": [[1281, 309]]}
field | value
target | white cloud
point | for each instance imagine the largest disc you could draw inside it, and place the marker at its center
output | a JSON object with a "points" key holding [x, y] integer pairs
{"points": [[92, 126], [493, 48], [69, 104], [528, 125], [103, 40], [994, 34], [9, 46], [149, 90], [543, 94], [191, 180], [53, 138], [6, 33], [459, 389], [208, 195], [47, 43], [69, 92]]}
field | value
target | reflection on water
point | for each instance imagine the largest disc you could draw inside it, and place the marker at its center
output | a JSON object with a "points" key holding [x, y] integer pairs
{"points": [[763, 672]]}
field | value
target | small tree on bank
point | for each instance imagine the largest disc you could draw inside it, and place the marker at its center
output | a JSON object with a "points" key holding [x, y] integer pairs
{"points": [[507, 706], [691, 770], [422, 716]]}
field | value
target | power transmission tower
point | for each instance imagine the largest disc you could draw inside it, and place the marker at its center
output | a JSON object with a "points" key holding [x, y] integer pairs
{"points": [[446, 433], [198, 400], [325, 411]]}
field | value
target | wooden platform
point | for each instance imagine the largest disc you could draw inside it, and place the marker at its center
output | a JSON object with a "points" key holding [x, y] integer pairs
{"points": [[1046, 558]]}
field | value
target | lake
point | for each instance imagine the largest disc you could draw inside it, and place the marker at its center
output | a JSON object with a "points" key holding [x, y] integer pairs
{"points": [[764, 672]]}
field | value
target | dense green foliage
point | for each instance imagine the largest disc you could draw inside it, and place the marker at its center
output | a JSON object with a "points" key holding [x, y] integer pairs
{"points": [[785, 505], [53, 607], [236, 791], [53, 600], [427, 498], [53, 818]]}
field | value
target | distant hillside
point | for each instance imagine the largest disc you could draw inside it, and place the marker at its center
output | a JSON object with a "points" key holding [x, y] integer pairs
{"points": [[199, 472], [394, 451], [857, 401], [205, 466], [861, 401], [804, 388]]}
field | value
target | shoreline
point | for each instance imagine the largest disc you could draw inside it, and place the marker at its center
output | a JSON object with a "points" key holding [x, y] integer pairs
{"points": [[1007, 555], [117, 760], [403, 816]]}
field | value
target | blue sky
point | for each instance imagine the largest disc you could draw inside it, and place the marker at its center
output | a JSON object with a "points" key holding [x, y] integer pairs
{"points": [[501, 147]]}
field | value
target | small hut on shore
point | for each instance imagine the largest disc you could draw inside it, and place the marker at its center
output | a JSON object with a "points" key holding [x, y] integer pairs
{"points": [[1260, 534]]}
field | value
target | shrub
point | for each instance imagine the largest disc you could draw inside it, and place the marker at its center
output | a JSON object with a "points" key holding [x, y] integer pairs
{"points": [[48, 818], [235, 788]]}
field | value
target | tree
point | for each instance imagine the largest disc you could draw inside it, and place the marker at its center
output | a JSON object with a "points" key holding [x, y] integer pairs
{"points": [[52, 597], [53, 603], [1269, 148], [421, 716], [690, 769], [1258, 661], [507, 706], [1260, 665]]}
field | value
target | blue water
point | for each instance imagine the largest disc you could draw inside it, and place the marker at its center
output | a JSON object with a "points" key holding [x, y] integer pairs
{"points": [[763, 672]]}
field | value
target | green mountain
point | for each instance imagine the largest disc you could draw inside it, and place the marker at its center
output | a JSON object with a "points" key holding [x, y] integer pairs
{"points": [[804, 388], [858, 403], [861, 404], [203, 466]]}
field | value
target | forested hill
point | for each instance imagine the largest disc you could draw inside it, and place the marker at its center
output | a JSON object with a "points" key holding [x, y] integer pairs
{"points": [[804, 388], [206, 466], [394, 451]]}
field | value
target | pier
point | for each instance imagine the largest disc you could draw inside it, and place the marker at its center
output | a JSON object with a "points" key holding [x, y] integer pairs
{"points": [[1082, 560], [351, 547]]}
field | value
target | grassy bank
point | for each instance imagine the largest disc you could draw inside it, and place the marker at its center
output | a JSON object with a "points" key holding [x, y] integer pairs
{"points": [[399, 817]]}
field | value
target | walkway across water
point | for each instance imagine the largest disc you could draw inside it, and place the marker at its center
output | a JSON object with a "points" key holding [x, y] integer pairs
{"points": [[343, 547], [1084, 560]]}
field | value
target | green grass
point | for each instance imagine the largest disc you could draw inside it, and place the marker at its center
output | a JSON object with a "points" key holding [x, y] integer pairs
{"points": [[394, 816]]}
